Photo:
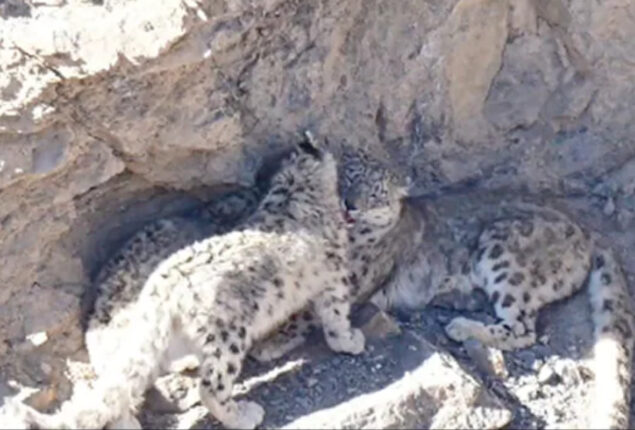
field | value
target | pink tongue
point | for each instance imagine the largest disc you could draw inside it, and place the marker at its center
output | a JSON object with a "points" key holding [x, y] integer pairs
{"points": [[348, 218]]}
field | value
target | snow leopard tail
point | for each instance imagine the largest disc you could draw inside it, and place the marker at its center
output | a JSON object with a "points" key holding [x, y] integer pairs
{"points": [[119, 389], [613, 349]]}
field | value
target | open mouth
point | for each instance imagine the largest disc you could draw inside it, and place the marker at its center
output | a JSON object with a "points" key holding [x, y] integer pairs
{"points": [[348, 217], [346, 213]]}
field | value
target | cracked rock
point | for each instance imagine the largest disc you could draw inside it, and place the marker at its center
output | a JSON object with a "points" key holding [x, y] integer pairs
{"points": [[488, 360]]}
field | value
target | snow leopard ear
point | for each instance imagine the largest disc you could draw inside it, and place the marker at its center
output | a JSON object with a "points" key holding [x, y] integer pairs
{"points": [[310, 145], [404, 189]]}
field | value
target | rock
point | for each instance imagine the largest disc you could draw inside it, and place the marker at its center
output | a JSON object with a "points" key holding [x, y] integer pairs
{"points": [[38, 338], [488, 360], [547, 375], [43, 398], [569, 371], [380, 326], [535, 88], [43, 313], [173, 393], [528, 392], [537, 365], [478, 31], [5, 391], [526, 358], [437, 394]]}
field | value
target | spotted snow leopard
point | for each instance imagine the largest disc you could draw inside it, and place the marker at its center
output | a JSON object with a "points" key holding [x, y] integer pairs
{"points": [[525, 262]]}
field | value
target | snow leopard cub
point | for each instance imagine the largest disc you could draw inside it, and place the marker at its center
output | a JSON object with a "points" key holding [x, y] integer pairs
{"points": [[385, 230], [120, 281], [227, 291]]}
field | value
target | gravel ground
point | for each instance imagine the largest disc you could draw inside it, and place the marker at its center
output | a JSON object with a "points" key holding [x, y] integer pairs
{"points": [[546, 385]]}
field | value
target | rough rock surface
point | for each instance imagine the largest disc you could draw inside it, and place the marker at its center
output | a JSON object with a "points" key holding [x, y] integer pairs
{"points": [[438, 394], [116, 112]]}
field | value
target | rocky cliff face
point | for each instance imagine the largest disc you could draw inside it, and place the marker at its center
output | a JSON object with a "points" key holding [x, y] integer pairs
{"points": [[114, 112]]}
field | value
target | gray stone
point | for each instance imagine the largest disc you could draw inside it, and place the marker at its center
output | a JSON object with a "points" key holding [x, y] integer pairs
{"points": [[548, 375], [380, 325], [173, 393], [488, 360]]}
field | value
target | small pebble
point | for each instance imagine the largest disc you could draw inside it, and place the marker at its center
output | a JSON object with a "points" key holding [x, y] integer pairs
{"points": [[487, 360], [381, 325], [547, 375], [37, 339], [569, 372], [42, 399], [536, 365], [526, 358]]}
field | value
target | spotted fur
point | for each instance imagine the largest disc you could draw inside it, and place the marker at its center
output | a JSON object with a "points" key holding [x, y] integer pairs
{"points": [[526, 262], [613, 348], [227, 291], [385, 228]]}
